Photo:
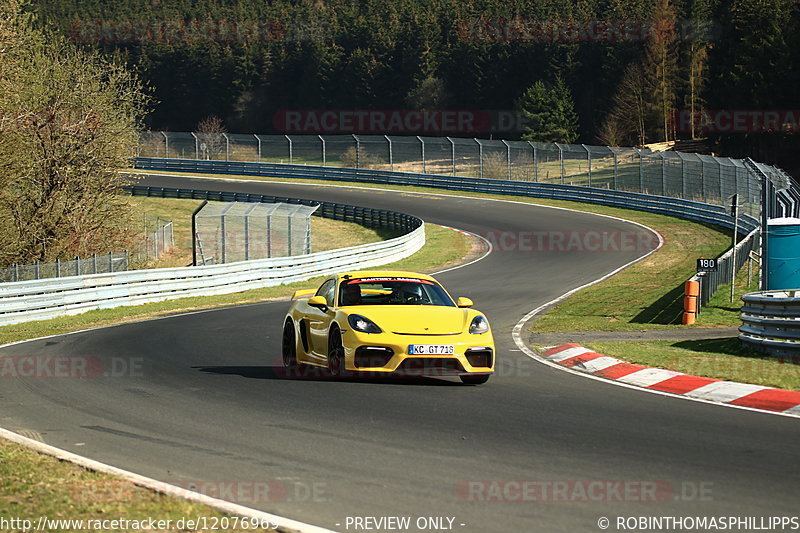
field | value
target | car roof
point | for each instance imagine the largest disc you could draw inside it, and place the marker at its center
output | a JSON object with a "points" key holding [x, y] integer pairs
{"points": [[385, 274]]}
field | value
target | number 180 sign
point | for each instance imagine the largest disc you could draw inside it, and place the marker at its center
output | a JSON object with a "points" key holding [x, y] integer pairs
{"points": [[706, 265]]}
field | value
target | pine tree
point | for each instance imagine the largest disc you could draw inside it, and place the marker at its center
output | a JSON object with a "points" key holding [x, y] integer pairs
{"points": [[549, 113]]}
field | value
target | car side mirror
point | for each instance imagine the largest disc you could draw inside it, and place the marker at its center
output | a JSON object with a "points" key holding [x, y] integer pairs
{"points": [[319, 302], [464, 302]]}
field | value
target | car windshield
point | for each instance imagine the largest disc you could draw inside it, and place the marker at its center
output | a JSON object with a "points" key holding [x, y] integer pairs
{"points": [[392, 291]]}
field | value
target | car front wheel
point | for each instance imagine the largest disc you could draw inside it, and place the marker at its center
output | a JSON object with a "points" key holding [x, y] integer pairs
{"points": [[289, 346], [335, 353]]}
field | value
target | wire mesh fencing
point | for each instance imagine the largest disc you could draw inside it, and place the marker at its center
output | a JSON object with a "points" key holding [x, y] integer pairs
{"points": [[96, 264], [158, 239], [226, 232], [698, 177]]}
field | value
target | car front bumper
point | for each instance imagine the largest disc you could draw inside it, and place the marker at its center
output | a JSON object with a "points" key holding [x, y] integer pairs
{"points": [[389, 353]]}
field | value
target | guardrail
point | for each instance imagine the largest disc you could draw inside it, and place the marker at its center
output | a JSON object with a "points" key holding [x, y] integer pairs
{"points": [[771, 322], [365, 216], [43, 299], [688, 209], [709, 282]]}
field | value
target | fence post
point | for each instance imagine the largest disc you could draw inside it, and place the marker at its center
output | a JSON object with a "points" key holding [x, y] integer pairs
{"points": [[291, 155], [391, 156], [77, 266], [247, 236], [166, 144], [269, 235], [535, 163], [289, 231], [561, 159], [196, 146], [258, 140], [358, 152], [703, 180], [222, 235], [36, 269], [616, 167], [683, 176], [94, 263], [663, 174], [16, 272], [307, 240], [58, 268], [508, 159], [452, 153], [324, 159], [480, 155], [227, 147], [641, 170], [422, 147], [110, 262], [589, 163]]}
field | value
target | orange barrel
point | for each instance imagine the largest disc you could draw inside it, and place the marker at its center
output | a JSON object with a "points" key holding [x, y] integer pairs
{"points": [[690, 304], [692, 288], [688, 319]]}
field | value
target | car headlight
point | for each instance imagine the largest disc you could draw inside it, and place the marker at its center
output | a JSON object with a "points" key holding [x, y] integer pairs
{"points": [[479, 325], [363, 324]]}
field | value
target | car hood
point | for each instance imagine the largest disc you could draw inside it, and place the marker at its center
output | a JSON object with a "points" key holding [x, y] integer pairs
{"points": [[417, 319]]}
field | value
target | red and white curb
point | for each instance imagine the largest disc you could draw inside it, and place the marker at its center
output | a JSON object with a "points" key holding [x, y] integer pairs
{"points": [[577, 357]]}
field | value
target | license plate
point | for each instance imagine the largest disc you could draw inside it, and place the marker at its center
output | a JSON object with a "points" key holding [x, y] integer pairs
{"points": [[431, 349]]}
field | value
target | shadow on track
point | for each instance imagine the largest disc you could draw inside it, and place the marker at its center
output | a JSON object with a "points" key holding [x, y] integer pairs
{"points": [[309, 373]]}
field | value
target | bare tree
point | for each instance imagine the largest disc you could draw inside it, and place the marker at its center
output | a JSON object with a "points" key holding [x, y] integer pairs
{"points": [[69, 123], [628, 115], [660, 64], [210, 135]]}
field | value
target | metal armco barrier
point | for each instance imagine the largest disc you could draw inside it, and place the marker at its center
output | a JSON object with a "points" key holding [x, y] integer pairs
{"points": [[688, 209], [709, 282], [50, 298], [771, 322], [366, 216]]}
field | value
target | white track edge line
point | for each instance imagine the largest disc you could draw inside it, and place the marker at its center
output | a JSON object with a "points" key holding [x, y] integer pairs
{"points": [[160, 486], [518, 327], [517, 336], [410, 193], [489, 249]]}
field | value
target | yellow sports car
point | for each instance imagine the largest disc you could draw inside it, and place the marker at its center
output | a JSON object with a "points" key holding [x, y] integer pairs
{"points": [[387, 322]]}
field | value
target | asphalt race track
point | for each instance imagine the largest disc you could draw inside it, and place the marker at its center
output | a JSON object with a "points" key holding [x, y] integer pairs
{"points": [[199, 400]]}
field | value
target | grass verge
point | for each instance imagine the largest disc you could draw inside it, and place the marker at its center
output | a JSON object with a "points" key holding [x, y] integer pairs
{"points": [[443, 247], [326, 234], [33, 485], [712, 358], [649, 295]]}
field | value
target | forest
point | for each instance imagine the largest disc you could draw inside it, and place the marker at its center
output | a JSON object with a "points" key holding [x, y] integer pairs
{"points": [[621, 72]]}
